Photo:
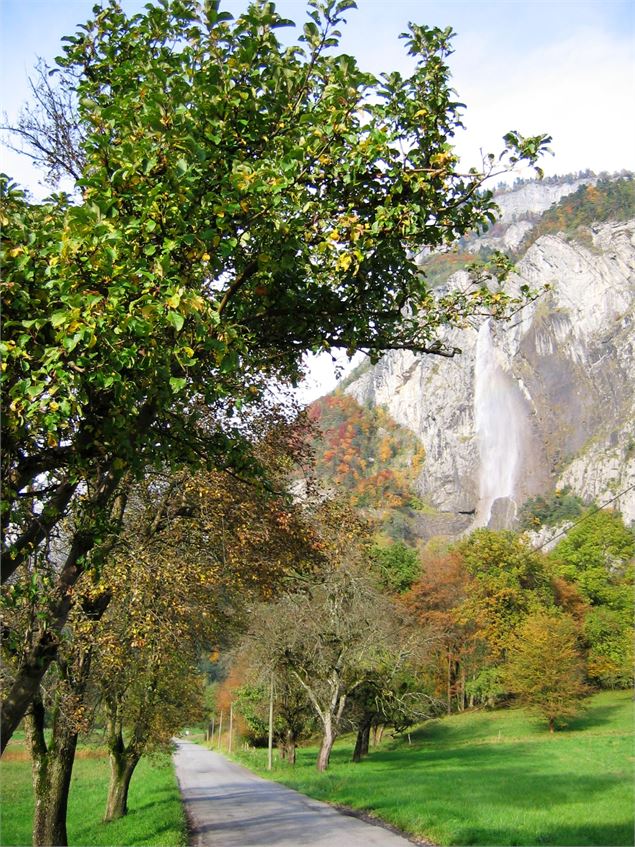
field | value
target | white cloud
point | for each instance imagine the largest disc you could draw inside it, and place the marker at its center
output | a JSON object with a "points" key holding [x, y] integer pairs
{"points": [[580, 90], [323, 372]]}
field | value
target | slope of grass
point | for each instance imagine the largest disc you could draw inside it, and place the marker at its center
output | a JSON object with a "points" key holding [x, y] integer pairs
{"points": [[155, 814], [491, 778]]}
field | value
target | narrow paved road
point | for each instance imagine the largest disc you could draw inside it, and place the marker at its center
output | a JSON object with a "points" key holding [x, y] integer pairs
{"points": [[228, 806]]}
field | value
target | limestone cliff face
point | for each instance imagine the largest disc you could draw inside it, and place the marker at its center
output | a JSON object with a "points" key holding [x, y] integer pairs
{"points": [[535, 197], [545, 401]]}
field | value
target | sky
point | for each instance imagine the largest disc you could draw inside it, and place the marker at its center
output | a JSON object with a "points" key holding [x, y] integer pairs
{"points": [[562, 67]]}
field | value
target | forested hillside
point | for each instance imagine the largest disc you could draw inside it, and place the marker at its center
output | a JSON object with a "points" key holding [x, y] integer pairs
{"points": [[362, 455]]}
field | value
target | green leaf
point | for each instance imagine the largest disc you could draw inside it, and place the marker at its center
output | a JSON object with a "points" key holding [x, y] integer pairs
{"points": [[177, 384], [58, 318], [177, 320]]}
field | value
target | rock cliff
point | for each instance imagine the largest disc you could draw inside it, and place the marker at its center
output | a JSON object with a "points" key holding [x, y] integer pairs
{"points": [[545, 401]]}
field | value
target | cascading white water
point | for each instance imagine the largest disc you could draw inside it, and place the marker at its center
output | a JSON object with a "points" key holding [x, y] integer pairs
{"points": [[498, 419]]}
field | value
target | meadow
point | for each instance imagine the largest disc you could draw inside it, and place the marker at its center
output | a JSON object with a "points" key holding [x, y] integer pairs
{"points": [[155, 814], [483, 777], [489, 778]]}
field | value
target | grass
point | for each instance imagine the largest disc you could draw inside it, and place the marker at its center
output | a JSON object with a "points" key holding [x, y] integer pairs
{"points": [[490, 778], [155, 815]]}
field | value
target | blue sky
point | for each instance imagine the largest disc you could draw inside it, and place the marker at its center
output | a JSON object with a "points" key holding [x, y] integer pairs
{"points": [[566, 67]]}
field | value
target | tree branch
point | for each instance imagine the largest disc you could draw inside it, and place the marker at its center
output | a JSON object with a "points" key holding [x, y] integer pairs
{"points": [[238, 283]]}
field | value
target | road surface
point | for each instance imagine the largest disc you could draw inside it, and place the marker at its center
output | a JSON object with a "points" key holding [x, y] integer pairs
{"points": [[228, 806]]}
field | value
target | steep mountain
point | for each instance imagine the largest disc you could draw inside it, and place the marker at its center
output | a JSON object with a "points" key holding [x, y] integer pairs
{"points": [[546, 401]]}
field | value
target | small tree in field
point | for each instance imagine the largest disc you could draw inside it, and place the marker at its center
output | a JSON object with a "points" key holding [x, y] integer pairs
{"points": [[545, 668]]}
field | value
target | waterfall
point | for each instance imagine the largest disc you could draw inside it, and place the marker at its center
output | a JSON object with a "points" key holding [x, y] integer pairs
{"points": [[498, 418]]}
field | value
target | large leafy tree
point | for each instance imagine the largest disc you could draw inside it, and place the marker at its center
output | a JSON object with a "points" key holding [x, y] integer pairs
{"points": [[239, 202], [597, 554], [597, 557], [508, 581]]}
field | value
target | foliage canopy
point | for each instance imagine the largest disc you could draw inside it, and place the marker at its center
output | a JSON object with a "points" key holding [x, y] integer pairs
{"points": [[239, 202]]}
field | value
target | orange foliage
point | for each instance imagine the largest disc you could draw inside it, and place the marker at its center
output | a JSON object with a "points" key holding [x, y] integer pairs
{"points": [[365, 452]]}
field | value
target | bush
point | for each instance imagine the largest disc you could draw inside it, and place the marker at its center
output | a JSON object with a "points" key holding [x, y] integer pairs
{"points": [[549, 511]]}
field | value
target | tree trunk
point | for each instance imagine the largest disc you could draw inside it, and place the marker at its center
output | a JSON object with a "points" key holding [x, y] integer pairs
{"points": [[287, 747], [366, 739], [462, 697], [328, 739], [552, 724], [291, 752], [26, 684], [121, 769], [362, 740], [49, 817], [52, 769], [449, 684]]}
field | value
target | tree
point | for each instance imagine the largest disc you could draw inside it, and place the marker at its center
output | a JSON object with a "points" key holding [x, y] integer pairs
{"points": [[545, 667], [391, 695], [294, 718], [197, 551], [609, 637], [398, 565], [193, 551], [146, 667], [63, 699], [595, 555], [508, 581], [239, 203], [435, 601], [329, 638]]}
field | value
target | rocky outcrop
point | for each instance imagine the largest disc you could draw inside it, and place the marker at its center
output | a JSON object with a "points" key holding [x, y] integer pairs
{"points": [[557, 383], [533, 198]]}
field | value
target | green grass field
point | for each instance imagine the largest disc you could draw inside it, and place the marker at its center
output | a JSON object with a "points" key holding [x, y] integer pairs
{"points": [[491, 778], [155, 814]]}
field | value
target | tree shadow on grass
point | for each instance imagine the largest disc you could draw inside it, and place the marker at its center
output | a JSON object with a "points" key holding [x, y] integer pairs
{"points": [[593, 717], [606, 835], [142, 827], [493, 783]]}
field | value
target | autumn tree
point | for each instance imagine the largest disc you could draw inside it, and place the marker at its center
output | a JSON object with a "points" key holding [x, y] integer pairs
{"points": [[545, 666], [508, 580], [435, 601], [239, 202], [196, 553], [146, 667], [329, 637], [192, 551]]}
